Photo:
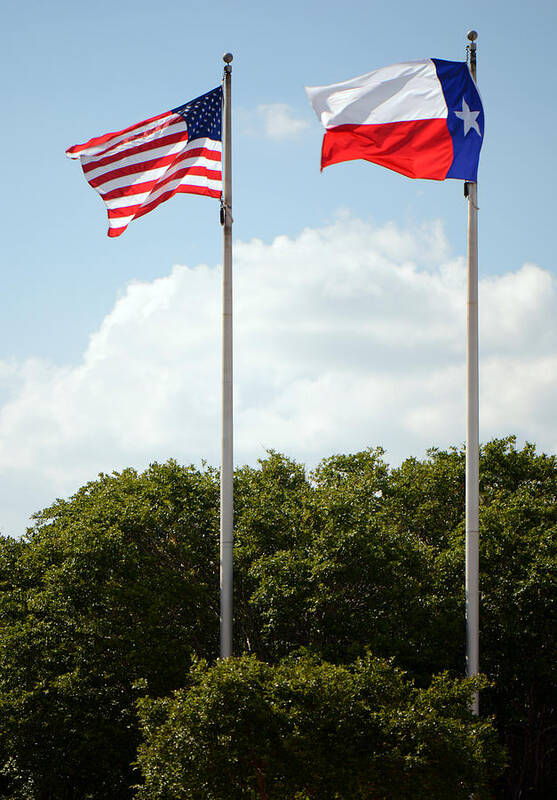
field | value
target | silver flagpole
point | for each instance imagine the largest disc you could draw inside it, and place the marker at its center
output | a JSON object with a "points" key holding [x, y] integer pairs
{"points": [[472, 425], [227, 463]]}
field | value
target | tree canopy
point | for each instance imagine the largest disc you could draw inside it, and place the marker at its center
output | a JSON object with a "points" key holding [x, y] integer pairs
{"points": [[353, 569], [115, 585], [304, 729]]}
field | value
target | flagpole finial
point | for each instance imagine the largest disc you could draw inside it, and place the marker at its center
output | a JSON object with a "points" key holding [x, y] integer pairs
{"points": [[227, 58], [471, 52]]}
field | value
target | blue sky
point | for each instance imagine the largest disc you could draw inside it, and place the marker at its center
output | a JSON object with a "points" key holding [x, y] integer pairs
{"points": [[72, 72]]}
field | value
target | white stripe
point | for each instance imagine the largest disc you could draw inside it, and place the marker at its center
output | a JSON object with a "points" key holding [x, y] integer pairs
{"points": [[398, 93], [188, 180], [121, 222], [156, 173], [138, 197], [131, 180], [123, 143], [117, 136], [125, 147], [138, 158], [150, 155], [158, 189], [144, 198], [185, 180], [128, 200]]}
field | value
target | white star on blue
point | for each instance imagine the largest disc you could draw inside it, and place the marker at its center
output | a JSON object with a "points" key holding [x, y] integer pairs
{"points": [[203, 115]]}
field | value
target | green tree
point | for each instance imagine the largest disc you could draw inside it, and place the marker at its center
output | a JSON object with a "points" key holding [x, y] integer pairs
{"points": [[115, 585], [113, 591], [378, 563], [304, 729], [519, 610], [274, 520], [347, 574]]}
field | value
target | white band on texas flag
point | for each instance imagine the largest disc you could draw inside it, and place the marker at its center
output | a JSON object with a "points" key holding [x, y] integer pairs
{"points": [[423, 119]]}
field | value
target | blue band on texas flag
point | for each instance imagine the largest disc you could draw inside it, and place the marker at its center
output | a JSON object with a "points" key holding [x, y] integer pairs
{"points": [[423, 119]]}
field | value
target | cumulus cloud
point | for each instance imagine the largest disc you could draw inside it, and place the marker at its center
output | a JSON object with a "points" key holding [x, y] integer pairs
{"points": [[274, 120], [346, 336]]}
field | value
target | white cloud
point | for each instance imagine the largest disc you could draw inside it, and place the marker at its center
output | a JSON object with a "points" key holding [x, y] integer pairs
{"points": [[274, 120], [345, 336]]}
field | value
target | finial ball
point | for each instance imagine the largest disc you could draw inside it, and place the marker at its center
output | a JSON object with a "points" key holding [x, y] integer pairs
{"points": [[227, 57], [472, 35]]}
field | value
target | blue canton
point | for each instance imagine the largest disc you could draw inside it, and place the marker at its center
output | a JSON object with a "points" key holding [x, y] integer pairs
{"points": [[203, 115], [457, 84]]}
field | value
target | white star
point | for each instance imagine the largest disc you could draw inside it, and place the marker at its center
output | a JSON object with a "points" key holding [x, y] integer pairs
{"points": [[469, 118]]}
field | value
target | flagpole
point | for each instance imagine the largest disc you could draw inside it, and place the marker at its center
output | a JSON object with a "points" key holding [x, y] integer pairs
{"points": [[227, 464], [472, 424]]}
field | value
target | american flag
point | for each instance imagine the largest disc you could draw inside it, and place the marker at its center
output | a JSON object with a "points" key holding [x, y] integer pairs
{"points": [[139, 167]]}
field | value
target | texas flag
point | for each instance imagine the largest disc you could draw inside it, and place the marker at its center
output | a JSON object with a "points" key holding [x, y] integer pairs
{"points": [[423, 119]]}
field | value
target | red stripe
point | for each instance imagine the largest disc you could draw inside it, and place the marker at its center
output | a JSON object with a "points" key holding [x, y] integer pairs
{"points": [[183, 189], [98, 140], [417, 149], [143, 166], [113, 232], [163, 141], [147, 186], [133, 207]]}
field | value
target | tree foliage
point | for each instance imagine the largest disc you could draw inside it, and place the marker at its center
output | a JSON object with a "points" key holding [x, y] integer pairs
{"points": [[304, 729], [114, 591], [115, 585]]}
